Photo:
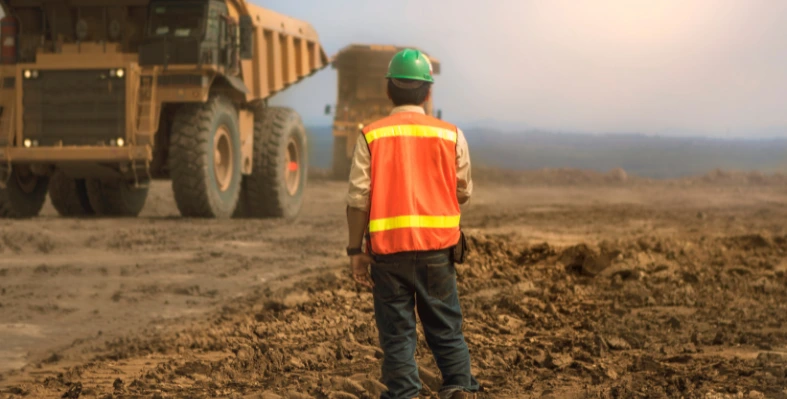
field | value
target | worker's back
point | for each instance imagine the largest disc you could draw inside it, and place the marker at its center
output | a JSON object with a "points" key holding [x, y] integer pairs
{"points": [[413, 182]]}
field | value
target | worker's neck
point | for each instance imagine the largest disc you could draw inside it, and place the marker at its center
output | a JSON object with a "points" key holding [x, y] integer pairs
{"points": [[408, 108]]}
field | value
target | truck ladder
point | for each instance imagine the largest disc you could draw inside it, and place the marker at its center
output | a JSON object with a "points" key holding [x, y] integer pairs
{"points": [[146, 109]]}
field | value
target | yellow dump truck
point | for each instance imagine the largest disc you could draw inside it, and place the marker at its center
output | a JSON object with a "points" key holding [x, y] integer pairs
{"points": [[361, 96], [99, 97]]}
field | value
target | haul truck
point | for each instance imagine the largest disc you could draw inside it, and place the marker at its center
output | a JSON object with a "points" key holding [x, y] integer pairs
{"points": [[361, 97], [99, 97]]}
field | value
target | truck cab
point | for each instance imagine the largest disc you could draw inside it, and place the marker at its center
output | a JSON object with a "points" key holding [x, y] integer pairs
{"points": [[194, 32]]}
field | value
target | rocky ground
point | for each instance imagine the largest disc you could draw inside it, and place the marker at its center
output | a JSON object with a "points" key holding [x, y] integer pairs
{"points": [[602, 287]]}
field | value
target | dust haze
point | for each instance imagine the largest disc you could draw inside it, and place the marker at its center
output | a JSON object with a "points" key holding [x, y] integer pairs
{"points": [[706, 68]]}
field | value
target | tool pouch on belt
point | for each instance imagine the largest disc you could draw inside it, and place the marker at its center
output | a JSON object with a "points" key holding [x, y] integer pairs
{"points": [[460, 249]]}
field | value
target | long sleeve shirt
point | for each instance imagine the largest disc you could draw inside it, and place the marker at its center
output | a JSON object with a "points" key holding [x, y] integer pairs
{"points": [[360, 169]]}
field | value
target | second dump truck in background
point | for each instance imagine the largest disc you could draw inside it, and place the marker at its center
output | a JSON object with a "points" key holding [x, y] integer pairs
{"points": [[99, 97], [361, 96]]}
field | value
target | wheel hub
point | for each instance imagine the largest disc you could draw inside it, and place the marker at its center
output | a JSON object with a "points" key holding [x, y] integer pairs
{"points": [[222, 158], [292, 174]]}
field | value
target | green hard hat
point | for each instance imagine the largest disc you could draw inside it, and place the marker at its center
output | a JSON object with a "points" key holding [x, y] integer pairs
{"points": [[410, 64]]}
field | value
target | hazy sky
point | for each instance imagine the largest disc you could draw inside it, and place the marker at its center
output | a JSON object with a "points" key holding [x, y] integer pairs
{"points": [[670, 67], [709, 67]]}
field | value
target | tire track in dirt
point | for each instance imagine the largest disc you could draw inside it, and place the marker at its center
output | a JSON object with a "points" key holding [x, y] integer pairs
{"points": [[643, 316], [210, 310]]}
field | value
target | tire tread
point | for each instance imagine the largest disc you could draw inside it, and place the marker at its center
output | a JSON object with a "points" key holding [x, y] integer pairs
{"points": [[265, 189], [69, 196], [189, 166]]}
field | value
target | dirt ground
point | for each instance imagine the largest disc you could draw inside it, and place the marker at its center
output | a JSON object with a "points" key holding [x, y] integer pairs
{"points": [[579, 285]]}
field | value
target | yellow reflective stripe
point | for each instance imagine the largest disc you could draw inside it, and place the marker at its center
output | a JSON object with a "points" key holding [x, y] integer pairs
{"points": [[413, 221], [410, 131]]}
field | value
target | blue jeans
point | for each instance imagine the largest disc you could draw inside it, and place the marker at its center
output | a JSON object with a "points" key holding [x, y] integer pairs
{"points": [[425, 281]]}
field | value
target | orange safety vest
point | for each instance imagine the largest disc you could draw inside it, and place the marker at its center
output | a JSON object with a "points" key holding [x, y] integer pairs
{"points": [[413, 184]]}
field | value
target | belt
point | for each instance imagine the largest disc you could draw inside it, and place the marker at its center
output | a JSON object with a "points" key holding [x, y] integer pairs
{"points": [[411, 256]]}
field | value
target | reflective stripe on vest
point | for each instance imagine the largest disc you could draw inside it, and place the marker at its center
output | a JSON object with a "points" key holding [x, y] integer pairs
{"points": [[413, 189], [410, 131], [413, 221]]}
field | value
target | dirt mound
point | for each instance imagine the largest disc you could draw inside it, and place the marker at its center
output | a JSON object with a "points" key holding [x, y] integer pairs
{"points": [[718, 176], [635, 317], [751, 242], [619, 176], [552, 177], [584, 260]]}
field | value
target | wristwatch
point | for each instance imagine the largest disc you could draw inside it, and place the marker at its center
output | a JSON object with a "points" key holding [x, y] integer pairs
{"points": [[354, 251]]}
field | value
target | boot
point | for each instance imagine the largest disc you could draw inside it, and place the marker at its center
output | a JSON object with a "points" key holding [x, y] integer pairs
{"points": [[464, 395]]}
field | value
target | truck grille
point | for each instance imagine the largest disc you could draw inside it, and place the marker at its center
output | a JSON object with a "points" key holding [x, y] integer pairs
{"points": [[75, 107]]}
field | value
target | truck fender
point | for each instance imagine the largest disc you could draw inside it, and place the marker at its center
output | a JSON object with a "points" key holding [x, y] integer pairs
{"points": [[231, 86], [237, 84]]}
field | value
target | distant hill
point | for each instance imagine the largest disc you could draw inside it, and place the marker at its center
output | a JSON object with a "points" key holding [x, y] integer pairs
{"points": [[641, 155]]}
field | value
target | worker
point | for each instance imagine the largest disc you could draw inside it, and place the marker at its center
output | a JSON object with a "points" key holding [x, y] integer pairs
{"points": [[409, 174]]}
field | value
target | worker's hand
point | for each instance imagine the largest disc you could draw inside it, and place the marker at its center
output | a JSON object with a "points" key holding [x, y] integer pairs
{"points": [[359, 267]]}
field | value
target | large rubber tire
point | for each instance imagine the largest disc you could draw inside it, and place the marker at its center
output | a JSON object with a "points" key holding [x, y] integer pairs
{"points": [[191, 159], [115, 197], [69, 196], [24, 195], [265, 192], [341, 163]]}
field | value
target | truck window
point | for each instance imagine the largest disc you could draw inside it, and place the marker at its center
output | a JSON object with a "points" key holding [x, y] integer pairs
{"points": [[213, 24], [176, 19]]}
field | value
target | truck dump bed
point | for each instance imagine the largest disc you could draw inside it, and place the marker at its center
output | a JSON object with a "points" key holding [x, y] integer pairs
{"points": [[290, 48]]}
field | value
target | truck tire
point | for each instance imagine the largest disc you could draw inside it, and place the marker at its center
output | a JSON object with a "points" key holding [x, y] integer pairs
{"points": [[23, 196], [205, 159], [115, 197], [279, 168], [341, 164], [69, 195]]}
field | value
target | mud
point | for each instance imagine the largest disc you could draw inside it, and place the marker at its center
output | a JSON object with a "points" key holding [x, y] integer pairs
{"points": [[610, 291]]}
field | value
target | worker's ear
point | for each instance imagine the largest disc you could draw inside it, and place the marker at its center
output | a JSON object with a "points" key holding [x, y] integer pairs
{"points": [[388, 92], [428, 95]]}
